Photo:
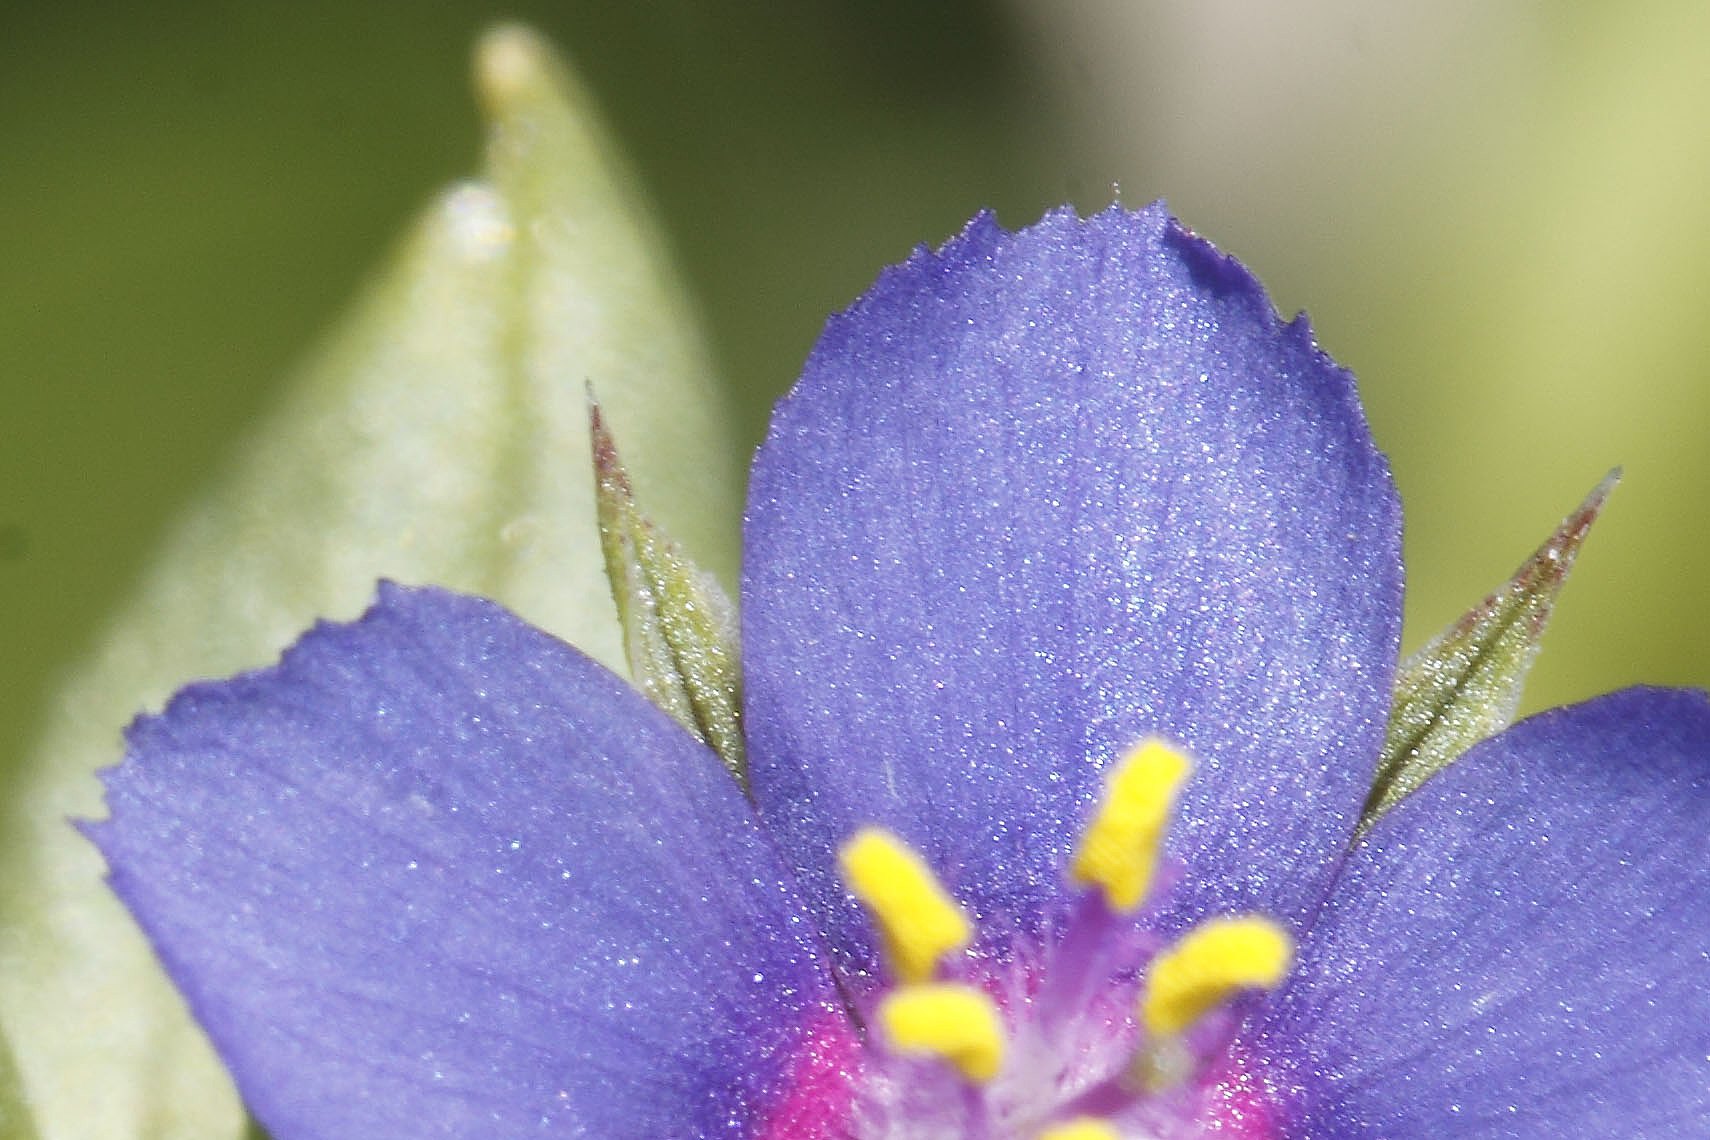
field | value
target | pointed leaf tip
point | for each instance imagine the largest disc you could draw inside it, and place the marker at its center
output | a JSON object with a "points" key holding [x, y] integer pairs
{"points": [[1465, 685], [511, 63], [679, 627]]}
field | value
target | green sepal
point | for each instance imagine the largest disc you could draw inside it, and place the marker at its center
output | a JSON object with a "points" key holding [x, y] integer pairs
{"points": [[679, 626], [1465, 685], [440, 437]]}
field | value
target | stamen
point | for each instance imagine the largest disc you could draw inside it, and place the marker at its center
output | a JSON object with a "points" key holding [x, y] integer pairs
{"points": [[1119, 848], [956, 1023], [1083, 1128], [1211, 962], [918, 920]]}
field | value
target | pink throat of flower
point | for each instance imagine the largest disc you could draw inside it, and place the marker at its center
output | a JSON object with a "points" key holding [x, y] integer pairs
{"points": [[1094, 1029], [1075, 1051]]}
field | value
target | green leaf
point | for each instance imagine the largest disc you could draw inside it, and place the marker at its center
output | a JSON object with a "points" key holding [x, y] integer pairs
{"points": [[1465, 685], [439, 437], [16, 1122], [679, 627]]}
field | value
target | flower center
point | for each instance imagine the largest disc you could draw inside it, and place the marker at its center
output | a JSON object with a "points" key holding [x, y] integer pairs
{"points": [[1099, 1032]]}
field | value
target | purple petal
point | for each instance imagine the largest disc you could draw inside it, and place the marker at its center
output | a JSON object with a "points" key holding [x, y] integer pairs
{"points": [[1036, 497], [1520, 948], [439, 875]]}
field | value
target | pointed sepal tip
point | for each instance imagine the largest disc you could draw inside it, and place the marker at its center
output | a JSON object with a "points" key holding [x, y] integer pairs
{"points": [[679, 627], [1466, 683]]}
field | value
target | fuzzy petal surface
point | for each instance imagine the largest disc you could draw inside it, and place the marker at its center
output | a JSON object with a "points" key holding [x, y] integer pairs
{"points": [[439, 875], [1518, 950], [1037, 496]]}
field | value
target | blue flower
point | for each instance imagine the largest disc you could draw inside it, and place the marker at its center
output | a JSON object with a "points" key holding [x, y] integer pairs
{"points": [[1062, 536]]}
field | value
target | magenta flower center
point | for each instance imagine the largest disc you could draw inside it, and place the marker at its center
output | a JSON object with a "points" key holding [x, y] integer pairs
{"points": [[1096, 1029]]}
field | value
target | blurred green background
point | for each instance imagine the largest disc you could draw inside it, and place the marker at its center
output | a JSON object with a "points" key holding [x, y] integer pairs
{"points": [[1494, 213]]}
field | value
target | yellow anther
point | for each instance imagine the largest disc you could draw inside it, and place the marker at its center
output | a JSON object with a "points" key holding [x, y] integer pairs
{"points": [[1119, 849], [957, 1024], [1081, 1128], [919, 922], [1211, 962]]}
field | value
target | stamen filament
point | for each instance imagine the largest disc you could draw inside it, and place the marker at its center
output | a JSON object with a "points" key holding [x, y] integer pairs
{"points": [[1093, 946]]}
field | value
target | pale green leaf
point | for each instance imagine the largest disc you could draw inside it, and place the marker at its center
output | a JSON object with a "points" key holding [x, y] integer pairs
{"points": [[16, 1120], [439, 437], [1465, 685], [679, 627]]}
